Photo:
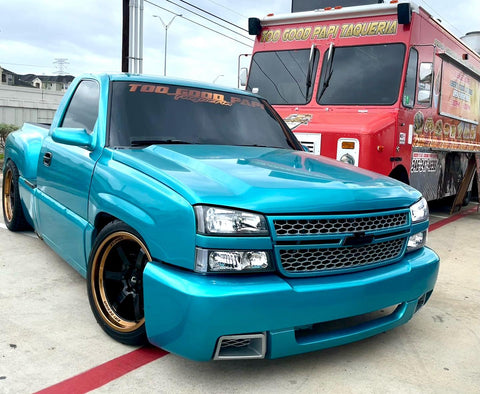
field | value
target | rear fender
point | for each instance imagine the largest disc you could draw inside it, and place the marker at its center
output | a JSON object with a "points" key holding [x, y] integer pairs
{"points": [[23, 148]]}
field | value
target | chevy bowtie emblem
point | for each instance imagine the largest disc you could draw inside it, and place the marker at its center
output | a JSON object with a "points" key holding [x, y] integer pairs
{"points": [[358, 239]]}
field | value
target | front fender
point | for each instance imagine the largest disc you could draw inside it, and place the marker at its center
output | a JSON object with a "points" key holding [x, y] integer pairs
{"points": [[163, 218]]}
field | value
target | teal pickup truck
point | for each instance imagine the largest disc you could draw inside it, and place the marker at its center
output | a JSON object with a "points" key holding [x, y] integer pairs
{"points": [[204, 228]]}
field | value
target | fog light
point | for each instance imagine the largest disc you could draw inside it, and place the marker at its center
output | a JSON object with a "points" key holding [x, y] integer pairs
{"points": [[417, 241], [232, 261]]}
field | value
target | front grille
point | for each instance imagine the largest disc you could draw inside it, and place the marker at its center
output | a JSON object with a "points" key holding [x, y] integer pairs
{"points": [[330, 259], [296, 227]]}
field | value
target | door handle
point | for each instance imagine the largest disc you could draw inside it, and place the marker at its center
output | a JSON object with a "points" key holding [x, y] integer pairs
{"points": [[47, 159]]}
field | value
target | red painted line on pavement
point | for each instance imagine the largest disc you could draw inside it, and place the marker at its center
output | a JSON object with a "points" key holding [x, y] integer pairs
{"points": [[452, 218], [105, 373]]}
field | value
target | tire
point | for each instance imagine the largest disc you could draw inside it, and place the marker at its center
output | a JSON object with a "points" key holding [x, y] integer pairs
{"points": [[115, 283], [12, 206]]}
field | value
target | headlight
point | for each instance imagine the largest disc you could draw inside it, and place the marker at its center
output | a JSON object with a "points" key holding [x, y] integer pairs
{"points": [[223, 221], [232, 261], [417, 241], [419, 211], [346, 158]]}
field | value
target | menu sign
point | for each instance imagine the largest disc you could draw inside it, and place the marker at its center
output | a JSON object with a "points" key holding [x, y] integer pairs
{"points": [[460, 95]]}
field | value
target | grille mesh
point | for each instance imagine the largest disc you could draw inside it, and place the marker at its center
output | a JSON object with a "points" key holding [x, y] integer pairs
{"points": [[328, 259], [294, 227], [241, 342]]}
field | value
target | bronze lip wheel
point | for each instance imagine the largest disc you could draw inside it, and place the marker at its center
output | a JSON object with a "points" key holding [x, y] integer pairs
{"points": [[117, 280], [8, 195]]}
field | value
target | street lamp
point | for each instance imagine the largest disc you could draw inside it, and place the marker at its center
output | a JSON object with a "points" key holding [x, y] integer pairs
{"points": [[166, 26], [218, 76]]}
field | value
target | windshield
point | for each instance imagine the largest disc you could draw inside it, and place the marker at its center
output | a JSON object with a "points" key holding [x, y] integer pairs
{"points": [[282, 76], [146, 113], [362, 75]]}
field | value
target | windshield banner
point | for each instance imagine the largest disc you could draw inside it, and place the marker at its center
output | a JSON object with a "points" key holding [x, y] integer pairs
{"points": [[460, 95]]}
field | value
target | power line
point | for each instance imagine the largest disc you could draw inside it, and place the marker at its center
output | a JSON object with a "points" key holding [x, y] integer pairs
{"points": [[26, 65], [190, 20], [204, 17], [442, 19], [215, 16], [229, 9]]}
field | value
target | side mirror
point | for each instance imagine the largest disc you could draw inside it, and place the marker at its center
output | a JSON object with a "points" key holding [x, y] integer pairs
{"points": [[426, 72], [73, 136], [424, 96], [425, 83], [243, 76]]}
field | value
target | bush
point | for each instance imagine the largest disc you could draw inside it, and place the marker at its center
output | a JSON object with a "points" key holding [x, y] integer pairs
{"points": [[5, 130]]}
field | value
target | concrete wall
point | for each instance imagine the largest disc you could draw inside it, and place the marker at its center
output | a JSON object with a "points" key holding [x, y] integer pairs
{"points": [[19, 105]]}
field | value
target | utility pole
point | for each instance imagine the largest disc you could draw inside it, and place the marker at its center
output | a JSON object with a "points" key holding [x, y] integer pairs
{"points": [[166, 26], [132, 36], [125, 35]]}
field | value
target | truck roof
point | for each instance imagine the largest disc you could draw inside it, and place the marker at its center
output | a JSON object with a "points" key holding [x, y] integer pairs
{"points": [[167, 80], [331, 13]]}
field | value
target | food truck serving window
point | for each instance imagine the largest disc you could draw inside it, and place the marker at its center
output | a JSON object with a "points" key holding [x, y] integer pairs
{"points": [[362, 75], [281, 76]]}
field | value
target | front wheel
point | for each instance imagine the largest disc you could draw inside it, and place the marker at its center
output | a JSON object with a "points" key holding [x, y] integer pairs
{"points": [[115, 282]]}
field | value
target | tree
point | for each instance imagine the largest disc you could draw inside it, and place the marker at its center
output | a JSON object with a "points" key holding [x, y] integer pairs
{"points": [[5, 130]]}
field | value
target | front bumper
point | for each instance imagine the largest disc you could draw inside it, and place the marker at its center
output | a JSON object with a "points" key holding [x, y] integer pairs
{"points": [[186, 313]]}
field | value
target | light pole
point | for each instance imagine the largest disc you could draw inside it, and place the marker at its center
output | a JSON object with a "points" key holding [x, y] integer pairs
{"points": [[166, 26], [218, 76]]}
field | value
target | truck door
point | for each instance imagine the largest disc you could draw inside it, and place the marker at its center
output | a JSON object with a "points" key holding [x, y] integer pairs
{"points": [[64, 175]]}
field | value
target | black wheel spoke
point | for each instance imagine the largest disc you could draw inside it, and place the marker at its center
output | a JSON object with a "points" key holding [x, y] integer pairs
{"points": [[123, 257], [121, 297], [113, 275], [140, 259]]}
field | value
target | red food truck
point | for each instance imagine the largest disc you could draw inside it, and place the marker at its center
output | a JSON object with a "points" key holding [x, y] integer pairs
{"points": [[380, 86]]}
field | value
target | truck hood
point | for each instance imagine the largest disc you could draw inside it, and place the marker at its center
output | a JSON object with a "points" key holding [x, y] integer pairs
{"points": [[268, 180]]}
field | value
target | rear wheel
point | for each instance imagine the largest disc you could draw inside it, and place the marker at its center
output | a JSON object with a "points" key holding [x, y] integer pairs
{"points": [[115, 282], [12, 206]]}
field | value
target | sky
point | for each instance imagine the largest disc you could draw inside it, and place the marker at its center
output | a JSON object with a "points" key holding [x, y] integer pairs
{"points": [[88, 33]]}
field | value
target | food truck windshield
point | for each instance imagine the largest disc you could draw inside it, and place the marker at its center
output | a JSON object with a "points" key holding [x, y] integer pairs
{"points": [[353, 75]]}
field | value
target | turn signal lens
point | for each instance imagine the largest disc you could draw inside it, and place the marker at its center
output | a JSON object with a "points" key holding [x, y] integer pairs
{"points": [[348, 145]]}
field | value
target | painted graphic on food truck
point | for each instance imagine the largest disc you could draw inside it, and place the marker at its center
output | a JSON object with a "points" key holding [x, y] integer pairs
{"points": [[333, 31], [460, 95]]}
